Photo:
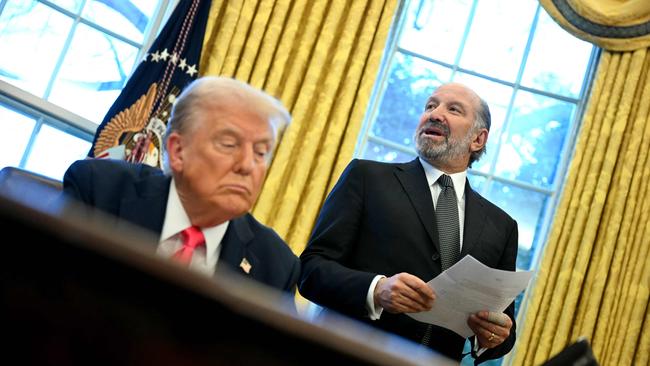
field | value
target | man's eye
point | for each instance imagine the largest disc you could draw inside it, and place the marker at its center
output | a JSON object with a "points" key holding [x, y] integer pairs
{"points": [[262, 153], [226, 144]]}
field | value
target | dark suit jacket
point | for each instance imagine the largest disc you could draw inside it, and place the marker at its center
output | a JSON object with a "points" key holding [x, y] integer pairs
{"points": [[138, 194], [379, 219]]}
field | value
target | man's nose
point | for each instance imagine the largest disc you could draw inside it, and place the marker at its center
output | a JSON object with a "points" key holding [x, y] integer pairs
{"points": [[436, 115], [245, 160]]}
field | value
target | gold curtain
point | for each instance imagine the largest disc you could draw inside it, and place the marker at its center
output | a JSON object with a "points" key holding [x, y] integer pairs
{"points": [[319, 57], [594, 277]]}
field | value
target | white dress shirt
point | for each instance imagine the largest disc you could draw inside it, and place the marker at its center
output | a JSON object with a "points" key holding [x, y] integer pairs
{"points": [[204, 259]]}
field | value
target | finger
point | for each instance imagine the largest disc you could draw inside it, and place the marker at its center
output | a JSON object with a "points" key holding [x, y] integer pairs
{"points": [[498, 318], [400, 298], [489, 337], [494, 340], [481, 323], [405, 305], [493, 327], [485, 328], [413, 288], [422, 288], [416, 284], [475, 323], [482, 333], [484, 340], [414, 301]]}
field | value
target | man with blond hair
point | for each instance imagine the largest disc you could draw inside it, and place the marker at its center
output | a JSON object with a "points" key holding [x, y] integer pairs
{"points": [[218, 146]]}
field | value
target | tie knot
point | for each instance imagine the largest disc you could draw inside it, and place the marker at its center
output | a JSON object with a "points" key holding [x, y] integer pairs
{"points": [[445, 181], [192, 237]]}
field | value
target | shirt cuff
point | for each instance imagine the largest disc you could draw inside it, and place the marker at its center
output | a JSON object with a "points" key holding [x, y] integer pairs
{"points": [[373, 312], [478, 351]]}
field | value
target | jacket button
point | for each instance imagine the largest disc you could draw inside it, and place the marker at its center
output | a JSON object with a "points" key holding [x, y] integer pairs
{"points": [[435, 256]]}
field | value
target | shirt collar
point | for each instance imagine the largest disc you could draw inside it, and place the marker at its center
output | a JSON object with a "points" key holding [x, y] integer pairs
{"points": [[176, 220], [432, 174]]}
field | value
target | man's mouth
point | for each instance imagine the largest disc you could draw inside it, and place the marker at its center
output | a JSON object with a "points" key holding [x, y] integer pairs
{"points": [[238, 188], [435, 130]]}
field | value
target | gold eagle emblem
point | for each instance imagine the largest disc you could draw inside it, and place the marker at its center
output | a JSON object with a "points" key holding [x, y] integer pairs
{"points": [[131, 120]]}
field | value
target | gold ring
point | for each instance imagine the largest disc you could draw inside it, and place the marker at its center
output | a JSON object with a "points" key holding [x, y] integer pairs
{"points": [[491, 337]]}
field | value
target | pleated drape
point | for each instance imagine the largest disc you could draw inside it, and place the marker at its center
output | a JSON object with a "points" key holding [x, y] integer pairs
{"points": [[321, 58], [594, 277]]}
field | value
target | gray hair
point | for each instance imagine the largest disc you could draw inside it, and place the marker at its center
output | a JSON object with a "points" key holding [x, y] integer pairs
{"points": [[483, 119], [210, 91]]}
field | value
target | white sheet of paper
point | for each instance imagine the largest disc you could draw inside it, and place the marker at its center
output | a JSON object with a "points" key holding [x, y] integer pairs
{"points": [[467, 287]]}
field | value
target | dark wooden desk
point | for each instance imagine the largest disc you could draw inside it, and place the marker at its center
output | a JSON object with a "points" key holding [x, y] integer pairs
{"points": [[74, 293]]}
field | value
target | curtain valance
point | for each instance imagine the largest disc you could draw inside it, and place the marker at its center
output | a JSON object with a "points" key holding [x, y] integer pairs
{"points": [[615, 25]]}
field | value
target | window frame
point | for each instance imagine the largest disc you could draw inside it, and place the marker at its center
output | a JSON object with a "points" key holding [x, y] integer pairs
{"points": [[48, 113], [554, 192]]}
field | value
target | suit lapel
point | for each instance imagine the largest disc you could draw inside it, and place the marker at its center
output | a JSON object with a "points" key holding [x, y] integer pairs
{"points": [[475, 218], [147, 207], [235, 246], [411, 176]]}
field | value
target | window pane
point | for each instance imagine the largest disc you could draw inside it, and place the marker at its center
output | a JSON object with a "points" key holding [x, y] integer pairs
{"points": [[375, 151], [410, 83], [497, 37], [54, 150], [476, 181], [126, 18], [31, 38], [71, 5], [435, 28], [498, 97], [16, 130], [534, 143], [93, 73], [525, 206], [563, 74]]}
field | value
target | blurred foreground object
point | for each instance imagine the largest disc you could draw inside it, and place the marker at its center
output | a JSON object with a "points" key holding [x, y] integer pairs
{"points": [[76, 293]]}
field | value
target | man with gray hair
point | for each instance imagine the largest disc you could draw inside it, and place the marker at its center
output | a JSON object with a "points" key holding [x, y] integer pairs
{"points": [[386, 228], [218, 146]]}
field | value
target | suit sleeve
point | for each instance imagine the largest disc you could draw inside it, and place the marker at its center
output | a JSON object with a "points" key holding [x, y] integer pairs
{"points": [[294, 276], [291, 280], [327, 278], [77, 185], [507, 262]]}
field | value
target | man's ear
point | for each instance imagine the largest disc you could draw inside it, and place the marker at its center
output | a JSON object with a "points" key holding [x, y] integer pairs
{"points": [[479, 140], [175, 151]]}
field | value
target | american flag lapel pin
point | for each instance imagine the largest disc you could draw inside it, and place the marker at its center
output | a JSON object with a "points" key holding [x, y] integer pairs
{"points": [[245, 265]]}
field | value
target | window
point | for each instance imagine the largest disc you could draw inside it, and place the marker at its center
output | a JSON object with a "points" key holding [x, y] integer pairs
{"points": [[63, 64], [534, 76]]}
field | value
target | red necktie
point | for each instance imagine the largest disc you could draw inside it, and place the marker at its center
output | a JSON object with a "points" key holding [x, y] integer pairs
{"points": [[192, 238]]}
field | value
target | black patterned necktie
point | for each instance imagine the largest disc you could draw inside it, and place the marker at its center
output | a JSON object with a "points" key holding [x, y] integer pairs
{"points": [[448, 230], [447, 219]]}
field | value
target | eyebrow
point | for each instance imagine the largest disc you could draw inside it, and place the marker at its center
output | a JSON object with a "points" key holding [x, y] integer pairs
{"points": [[230, 131], [453, 102]]}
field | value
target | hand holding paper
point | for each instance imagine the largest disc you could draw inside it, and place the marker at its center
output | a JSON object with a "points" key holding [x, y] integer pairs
{"points": [[403, 293], [490, 328], [468, 287]]}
